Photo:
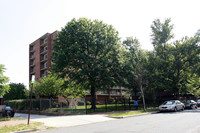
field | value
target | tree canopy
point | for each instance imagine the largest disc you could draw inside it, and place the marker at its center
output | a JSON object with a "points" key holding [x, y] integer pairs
{"points": [[172, 64], [50, 86], [86, 51], [17, 91], [4, 87], [136, 66], [91, 56]]}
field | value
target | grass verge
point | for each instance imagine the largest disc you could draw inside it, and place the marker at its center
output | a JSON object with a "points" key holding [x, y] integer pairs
{"points": [[130, 113], [9, 119], [21, 127]]}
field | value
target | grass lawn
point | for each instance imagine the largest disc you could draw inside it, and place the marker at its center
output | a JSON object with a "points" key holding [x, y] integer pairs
{"points": [[100, 109], [21, 127], [130, 113], [8, 119]]}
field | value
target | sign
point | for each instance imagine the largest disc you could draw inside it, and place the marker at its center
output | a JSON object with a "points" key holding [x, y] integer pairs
{"points": [[33, 78]]}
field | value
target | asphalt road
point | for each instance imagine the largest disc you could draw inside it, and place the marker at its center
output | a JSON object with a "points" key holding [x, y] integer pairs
{"points": [[187, 121]]}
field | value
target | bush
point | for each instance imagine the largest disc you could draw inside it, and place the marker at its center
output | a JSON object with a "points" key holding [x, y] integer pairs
{"points": [[18, 104], [88, 103], [111, 101], [65, 104], [80, 103]]}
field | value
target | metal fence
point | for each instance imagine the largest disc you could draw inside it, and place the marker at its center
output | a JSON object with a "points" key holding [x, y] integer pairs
{"points": [[71, 105]]}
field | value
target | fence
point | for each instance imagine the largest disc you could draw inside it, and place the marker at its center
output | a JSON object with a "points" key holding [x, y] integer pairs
{"points": [[72, 105], [109, 105]]}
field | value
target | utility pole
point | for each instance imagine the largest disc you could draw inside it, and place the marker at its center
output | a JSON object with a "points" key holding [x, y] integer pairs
{"points": [[29, 112]]}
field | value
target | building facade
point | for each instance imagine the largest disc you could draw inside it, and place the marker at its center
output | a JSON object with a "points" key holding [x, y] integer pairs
{"points": [[40, 63], [40, 55]]}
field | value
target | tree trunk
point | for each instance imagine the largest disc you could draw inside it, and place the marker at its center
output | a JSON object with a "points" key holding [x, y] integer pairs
{"points": [[142, 93], [93, 95], [109, 96], [178, 93], [135, 95]]}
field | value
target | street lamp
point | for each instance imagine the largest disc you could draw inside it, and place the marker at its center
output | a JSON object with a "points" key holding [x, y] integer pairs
{"points": [[32, 81]]}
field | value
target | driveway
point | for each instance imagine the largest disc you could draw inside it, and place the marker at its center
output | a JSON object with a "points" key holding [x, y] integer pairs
{"points": [[64, 121]]}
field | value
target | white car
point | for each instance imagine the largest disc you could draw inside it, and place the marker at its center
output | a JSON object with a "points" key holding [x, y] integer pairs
{"points": [[172, 105]]}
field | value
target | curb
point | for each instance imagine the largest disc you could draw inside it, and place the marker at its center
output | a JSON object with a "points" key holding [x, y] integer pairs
{"points": [[121, 117], [26, 131]]}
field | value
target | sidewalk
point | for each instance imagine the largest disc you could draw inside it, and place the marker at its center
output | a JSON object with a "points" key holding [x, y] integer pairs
{"points": [[8, 123], [65, 121]]}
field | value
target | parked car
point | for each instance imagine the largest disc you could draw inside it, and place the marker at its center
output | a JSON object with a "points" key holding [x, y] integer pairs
{"points": [[198, 102], [172, 105], [191, 104], [8, 111]]}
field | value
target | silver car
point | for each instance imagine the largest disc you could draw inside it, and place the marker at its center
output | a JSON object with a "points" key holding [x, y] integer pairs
{"points": [[172, 105]]}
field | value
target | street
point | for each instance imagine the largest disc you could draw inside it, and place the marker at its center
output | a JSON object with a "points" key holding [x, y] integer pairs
{"points": [[187, 121]]}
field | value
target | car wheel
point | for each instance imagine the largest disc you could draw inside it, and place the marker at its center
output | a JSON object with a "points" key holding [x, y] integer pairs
{"points": [[12, 114], [175, 109], [193, 107], [8, 114], [3, 114]]}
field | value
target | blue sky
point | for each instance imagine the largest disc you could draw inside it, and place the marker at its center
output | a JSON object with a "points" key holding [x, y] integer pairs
{"points": [[24, 21]]}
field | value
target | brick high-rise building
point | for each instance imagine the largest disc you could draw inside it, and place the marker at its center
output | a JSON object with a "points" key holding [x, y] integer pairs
{"points": [[40, 62], [40, 55]]}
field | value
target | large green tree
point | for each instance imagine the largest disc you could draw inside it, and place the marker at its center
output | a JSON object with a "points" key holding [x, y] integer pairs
{"points": [[161, 35], [17, 91], [136, 66], [50, 86], [4, 87], [128, 70], [158, 65], [172, 64], [183, 58], [86, 51], [72, 89]]}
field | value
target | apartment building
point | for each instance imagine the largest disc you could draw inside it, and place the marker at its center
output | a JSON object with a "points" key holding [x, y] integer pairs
{"points": [[40, 62], [40, 55]]}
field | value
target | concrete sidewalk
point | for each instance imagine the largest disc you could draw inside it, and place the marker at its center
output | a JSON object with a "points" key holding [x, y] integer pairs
{"points": [[64, 121]]}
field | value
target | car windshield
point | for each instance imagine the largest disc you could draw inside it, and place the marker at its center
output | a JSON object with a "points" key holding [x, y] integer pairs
{"points": [[188, 101], [168, 102], [8, 108]]}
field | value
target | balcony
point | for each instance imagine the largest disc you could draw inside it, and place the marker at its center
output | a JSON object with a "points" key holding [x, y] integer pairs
{"points": [[32, 64], [32, 49], [32, 56], [43, 42], [43, 67], [106, 93], [44, 58], [32, 71], [43, 51], [43, 74]]}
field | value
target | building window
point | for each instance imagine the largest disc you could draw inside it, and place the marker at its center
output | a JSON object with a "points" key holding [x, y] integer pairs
{"points": [[52, 36]]}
